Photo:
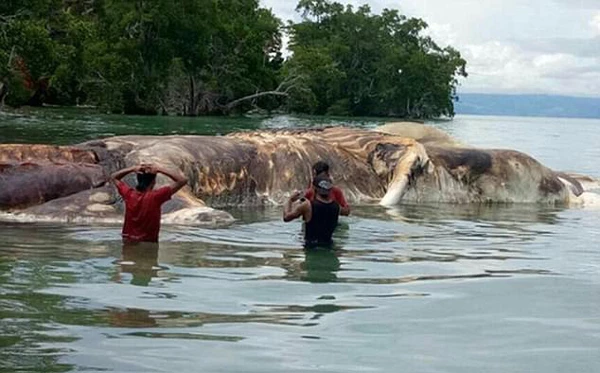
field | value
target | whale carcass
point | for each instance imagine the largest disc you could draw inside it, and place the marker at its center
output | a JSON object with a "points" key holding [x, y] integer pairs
{"points": [[389, 165]]}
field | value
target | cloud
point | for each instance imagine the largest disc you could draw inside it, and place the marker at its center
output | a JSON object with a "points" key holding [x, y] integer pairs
{"points": [[582, 4], [595, 23], [580, 47], [511, 46], [503, 67]]}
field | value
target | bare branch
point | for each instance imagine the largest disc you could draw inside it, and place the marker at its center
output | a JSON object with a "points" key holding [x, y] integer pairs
{"points": [[11, 56], [283, 90], [235, 103]]}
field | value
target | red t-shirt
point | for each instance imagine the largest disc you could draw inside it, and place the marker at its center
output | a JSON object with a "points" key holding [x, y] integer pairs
{"points": [[336, 194], [142, 212]]}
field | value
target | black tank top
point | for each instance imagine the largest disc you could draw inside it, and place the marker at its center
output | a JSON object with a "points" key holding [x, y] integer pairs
{"points": [[324, 219]]}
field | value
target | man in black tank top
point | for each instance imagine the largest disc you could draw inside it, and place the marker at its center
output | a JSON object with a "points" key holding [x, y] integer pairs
{"points": [[320, 215]]}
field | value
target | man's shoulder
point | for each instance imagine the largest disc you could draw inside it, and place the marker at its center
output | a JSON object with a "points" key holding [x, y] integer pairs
{"points": [[339, 197], [122, 187], [162, 193], [162, 189], [337, 191]]}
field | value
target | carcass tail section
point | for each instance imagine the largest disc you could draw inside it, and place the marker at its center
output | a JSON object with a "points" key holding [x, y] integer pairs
{"points": [[27, 183]]}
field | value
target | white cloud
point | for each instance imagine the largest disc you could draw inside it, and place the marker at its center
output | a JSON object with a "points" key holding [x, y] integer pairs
{"points": [[595, 23], [510, 68], [511, 46], [443, 34]]}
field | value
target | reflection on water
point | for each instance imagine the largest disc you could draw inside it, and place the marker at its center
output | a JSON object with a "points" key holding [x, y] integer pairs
{"points": [[430, 288], [512, 213], [320, 265], [141, 261], [406, 278]]}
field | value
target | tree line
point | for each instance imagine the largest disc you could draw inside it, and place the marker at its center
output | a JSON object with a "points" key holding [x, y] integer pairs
{"points": [[214, 57]]}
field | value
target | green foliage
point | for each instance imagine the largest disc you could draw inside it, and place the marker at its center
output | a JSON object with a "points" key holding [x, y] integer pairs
{"points": [[358, 63], [139, 56], [193, 57], [189, 56], [40, 43]]}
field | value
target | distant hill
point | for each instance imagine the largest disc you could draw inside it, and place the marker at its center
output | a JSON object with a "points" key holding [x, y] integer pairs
{"points": [[528, 105]]}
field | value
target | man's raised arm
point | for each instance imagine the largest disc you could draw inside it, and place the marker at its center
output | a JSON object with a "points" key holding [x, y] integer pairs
{"points": [[122, 173], [291, 211], [179, 180]]}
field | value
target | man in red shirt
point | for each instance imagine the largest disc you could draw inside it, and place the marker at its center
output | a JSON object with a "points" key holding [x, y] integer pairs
{"points": [[142, 204], [321, 169]]}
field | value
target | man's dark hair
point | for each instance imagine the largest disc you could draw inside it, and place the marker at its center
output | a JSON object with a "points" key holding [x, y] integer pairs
{"points": [[144, 180], [320, 167]]}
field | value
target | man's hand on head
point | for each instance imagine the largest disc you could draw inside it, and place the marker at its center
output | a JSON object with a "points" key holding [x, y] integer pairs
{"points": [[142, 167], [148, 168]]}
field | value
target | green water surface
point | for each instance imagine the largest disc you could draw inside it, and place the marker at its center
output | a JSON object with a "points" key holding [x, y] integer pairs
{"points": [[430, 288]]}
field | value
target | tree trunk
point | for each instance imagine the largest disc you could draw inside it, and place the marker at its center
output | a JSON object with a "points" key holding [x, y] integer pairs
{"points": [[193, 103], [41, 91], [3, 93]]}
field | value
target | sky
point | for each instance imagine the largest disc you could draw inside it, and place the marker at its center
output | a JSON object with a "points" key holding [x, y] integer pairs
{"points": [[511, 46]]}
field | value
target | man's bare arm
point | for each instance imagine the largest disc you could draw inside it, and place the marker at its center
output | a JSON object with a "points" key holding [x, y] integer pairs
{"points": [[291, 212], [345, 211], [179, 180], [122, 173]]}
